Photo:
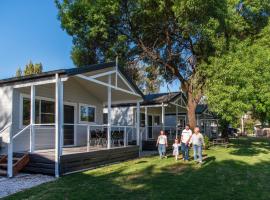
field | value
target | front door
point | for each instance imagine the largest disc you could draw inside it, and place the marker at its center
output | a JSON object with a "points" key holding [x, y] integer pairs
{"points": [[150, 126], [69, 125]]}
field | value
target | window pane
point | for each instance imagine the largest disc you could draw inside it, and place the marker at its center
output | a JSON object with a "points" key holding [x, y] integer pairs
{"points": [[84, 113], [87, 114], [91, 114], [47, 107], [47, 112], [105, 118], [157, 120], [37, 121], [47, 118], [26, 111]]}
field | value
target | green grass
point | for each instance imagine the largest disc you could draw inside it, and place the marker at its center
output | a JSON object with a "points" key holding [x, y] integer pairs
{"points": [[241, 171]]}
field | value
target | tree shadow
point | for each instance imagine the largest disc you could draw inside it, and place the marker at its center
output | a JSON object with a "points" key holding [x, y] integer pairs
{"points": [[250, 146]]}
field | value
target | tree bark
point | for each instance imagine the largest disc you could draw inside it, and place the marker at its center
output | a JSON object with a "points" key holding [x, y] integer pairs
{"points": [[191, 110]]}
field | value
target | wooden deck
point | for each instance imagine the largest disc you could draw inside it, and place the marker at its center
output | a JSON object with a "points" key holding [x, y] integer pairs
{"points": [[77, 158]]}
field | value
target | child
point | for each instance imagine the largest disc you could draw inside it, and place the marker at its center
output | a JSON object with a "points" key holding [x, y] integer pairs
{"points": [[197, 142], [176, 146], [162, 144]]}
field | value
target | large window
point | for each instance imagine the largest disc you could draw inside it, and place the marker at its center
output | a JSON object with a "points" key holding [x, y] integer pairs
{"points": [[87, 113], [44, 112]]}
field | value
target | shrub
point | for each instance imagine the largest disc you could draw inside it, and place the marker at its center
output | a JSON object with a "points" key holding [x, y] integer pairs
{"points": [[206, 142]]}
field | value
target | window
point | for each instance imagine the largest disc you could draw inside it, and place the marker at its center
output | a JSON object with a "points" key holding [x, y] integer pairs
{"points": [[44, 111], [156, 120], [105, 118], [87, 113], [47, 112], [142, 118]]}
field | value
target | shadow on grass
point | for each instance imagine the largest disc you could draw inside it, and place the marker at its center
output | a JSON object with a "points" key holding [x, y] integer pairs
{"points": [[250, 146], [227, 179]]}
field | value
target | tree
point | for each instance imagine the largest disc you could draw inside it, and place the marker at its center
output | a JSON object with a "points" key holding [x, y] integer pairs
{"points": [[19, 72], [30, 69], [241, 81], [176, 37]]}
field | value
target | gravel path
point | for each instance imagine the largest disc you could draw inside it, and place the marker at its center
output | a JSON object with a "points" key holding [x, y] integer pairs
{"points": [[21, 182]]}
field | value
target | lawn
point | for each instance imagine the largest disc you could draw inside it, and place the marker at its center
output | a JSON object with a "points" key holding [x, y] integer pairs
{"points": [[241, 171]]}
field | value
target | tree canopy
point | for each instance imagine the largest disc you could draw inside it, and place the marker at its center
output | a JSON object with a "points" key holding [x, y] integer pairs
{"points": [[29, 69], [179, 38], [241, 80]]}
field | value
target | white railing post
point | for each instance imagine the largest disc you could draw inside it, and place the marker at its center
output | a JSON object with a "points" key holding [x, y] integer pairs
{"points": [[125, 136], [109, 113], [58, 122], [163, 116], [146, 123], [10, 154], [88, 138], [32, 118], [138, 125]]}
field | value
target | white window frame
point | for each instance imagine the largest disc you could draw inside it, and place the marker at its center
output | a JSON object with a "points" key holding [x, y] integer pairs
{"points": [[87, 105]]}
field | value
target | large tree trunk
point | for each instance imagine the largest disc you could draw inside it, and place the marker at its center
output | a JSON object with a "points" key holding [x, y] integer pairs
{"points": [[191, 110]]}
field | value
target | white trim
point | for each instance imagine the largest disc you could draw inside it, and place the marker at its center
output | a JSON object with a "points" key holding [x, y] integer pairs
{"points": [[150, 106], [125, 81], [103, 74], [22, 85], [87, 105], [106, 84]]}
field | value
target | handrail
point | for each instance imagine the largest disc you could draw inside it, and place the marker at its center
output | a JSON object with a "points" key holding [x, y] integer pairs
{"points": [[21, 131], [5, 128]]}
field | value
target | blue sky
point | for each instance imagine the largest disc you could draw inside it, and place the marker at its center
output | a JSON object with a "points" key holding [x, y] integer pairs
{"points": [[30, 30]]}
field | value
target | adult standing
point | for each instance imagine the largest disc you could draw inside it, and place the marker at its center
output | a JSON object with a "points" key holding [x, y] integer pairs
{"points": [[185, 139], [197, 142], [162, 143]]}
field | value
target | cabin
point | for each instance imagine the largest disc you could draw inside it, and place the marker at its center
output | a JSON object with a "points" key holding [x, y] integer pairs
{"points": [[53, 122], [163, 111]]}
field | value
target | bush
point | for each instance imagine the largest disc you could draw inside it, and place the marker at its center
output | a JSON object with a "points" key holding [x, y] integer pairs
{"points": [[206, 142]]}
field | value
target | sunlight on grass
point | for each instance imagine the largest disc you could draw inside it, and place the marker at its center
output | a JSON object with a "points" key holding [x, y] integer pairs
{"points": [[241, 171]]}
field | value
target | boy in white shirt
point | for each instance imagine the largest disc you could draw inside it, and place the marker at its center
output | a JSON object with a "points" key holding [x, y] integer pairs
{"points": [[185, 139], [162, 144]]}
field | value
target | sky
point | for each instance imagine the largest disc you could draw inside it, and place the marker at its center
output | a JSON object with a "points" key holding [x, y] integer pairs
{"points": [[30, 30]]}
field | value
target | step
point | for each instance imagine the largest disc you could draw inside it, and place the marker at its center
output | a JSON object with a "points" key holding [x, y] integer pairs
{"points": [[3, 172]]}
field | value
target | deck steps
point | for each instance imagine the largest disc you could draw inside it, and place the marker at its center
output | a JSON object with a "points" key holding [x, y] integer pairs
{"points": [[19, 162]]}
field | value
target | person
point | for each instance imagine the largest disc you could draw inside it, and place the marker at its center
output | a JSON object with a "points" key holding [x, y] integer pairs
{"points": [[185, 139], [176, 146], [198, 142], [162, 143]]}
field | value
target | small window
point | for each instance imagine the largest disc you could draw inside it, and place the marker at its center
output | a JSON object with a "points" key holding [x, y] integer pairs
{"points": [[87, 113]]}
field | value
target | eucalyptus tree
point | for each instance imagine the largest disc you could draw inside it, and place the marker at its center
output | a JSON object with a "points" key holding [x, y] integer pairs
{"points": [[176, 37]]}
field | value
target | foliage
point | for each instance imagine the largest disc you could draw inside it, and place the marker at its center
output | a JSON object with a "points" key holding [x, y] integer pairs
{"points": [[18, 72], [29, 69], [241, 81], [241, 171], [177, 37], [206, 142]]}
